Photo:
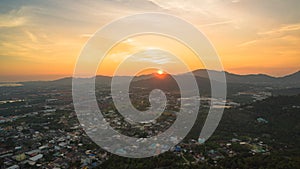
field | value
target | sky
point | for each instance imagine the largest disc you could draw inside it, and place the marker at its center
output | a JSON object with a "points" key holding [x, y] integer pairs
{"points": [[41, 40]]}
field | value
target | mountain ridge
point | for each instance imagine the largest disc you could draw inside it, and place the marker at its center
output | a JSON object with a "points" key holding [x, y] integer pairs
{"points": [[288, 81], [297, 73]]}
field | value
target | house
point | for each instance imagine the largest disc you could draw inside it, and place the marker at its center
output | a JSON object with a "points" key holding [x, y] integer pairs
{"points": [[261, 120], [201, 140], [13, 167], [20, 157], [36, 158]]}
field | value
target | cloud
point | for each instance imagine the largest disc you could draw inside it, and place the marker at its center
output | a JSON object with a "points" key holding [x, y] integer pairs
{"points": [[186, 5], [247, 43], [12, 19], [284, 34], [282, 29], [86, 35], [154, 56], [31, 36], [204, 13], [217, 23], [174, 5]]}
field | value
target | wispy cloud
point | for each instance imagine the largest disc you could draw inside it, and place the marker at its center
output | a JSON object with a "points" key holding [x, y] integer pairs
{"points": [[187, 5], [217, 23], [235, 1], [247, 43], [86, 35], [282, 29], [31, 36], [154, 56], [286, 34], [12, 19]]}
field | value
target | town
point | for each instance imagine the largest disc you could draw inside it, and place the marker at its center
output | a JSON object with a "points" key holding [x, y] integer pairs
{"points": [[39, 129]]}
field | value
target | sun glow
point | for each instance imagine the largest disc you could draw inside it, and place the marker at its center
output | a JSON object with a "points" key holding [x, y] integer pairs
{"points": [[160, 72]]}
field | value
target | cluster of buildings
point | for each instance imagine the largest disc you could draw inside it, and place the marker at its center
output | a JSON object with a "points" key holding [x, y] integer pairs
{"points": [[221, 149], [51, 137], [42, 144], [44, 133]]}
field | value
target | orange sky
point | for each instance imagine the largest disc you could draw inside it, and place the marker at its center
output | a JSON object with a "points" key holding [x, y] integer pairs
{"points": [[42, 40], [149, 46]]}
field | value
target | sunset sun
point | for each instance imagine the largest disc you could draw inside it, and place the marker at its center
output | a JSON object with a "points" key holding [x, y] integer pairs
{"points": [[160, 72]]}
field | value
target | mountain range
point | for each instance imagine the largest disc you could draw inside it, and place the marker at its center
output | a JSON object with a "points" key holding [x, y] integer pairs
{"points": [[235, 83]]}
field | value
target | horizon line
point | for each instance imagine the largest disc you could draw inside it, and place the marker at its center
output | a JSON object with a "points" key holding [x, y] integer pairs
{"points": [[63, 76]]}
